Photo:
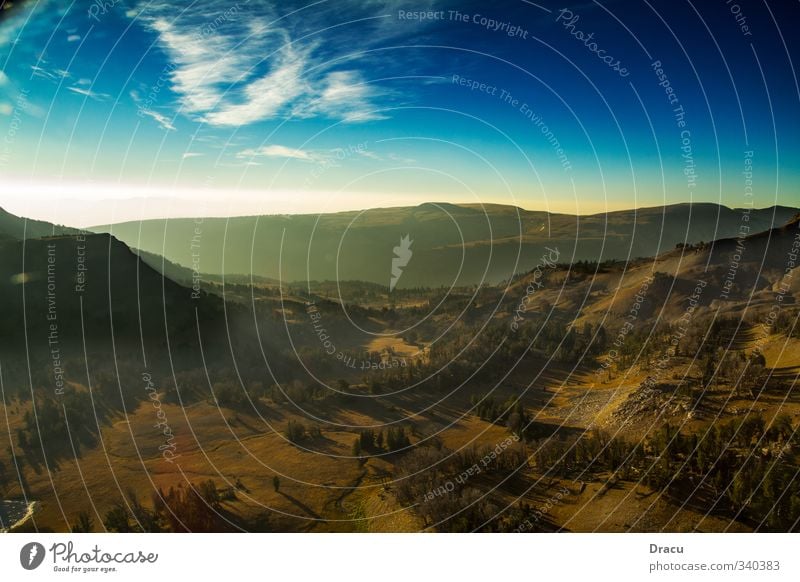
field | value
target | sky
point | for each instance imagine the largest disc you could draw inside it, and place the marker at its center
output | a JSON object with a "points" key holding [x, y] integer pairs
{"points": [[123, 110]]}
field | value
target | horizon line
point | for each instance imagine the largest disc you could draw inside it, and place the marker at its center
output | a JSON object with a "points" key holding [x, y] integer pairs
{"points": [[475, 205], [458, 204]]}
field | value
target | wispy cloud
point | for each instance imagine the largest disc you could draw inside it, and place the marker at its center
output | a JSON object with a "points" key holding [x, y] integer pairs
{"points": [[89, 93], [344, 94], [267, 96], [41, 72], [279, 151], [237, 67], [162, 120], [328, 157], [144, 110], [370, 155]]}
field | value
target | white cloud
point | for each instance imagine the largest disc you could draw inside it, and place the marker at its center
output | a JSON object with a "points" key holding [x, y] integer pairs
{"points": [[187, 155], [42, 72], [344, 94], [89, 93], [73, 38], [279, 151], [330, 157], [164, 121], [267, 96], [239, 69], [370, 155], [145, 110]]}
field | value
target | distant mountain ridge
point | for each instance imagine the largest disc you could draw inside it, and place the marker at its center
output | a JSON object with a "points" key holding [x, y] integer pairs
{"points": [[17, 228], [461, 244]]}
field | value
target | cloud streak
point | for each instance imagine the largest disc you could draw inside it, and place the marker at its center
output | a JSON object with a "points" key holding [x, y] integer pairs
{"points": [[162, 120], [279, 151], [89, 93], [326, 156]]}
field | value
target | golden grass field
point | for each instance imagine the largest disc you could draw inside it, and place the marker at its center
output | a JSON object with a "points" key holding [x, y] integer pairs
{"points": [[321, 489]]}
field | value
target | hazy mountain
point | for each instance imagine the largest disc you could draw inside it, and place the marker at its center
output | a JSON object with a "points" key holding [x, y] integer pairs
{"points": [[55, 280], [17, 228], [72, 303], [451, 243]]}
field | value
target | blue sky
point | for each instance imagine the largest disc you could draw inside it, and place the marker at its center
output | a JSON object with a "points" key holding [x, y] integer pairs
{"points": [[122, 110]]}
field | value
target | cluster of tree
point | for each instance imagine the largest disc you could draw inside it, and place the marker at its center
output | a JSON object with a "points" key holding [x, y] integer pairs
{"points": [[744, 467], [467, 353], [746, 374], [589, 267], [195, 508], [786, 322], [297, 431], [371, 441], [488, 409], [361, 292], [231, 394], [512, 414], [456, 491], [714, 348], [54, 428], [692, 247]]}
